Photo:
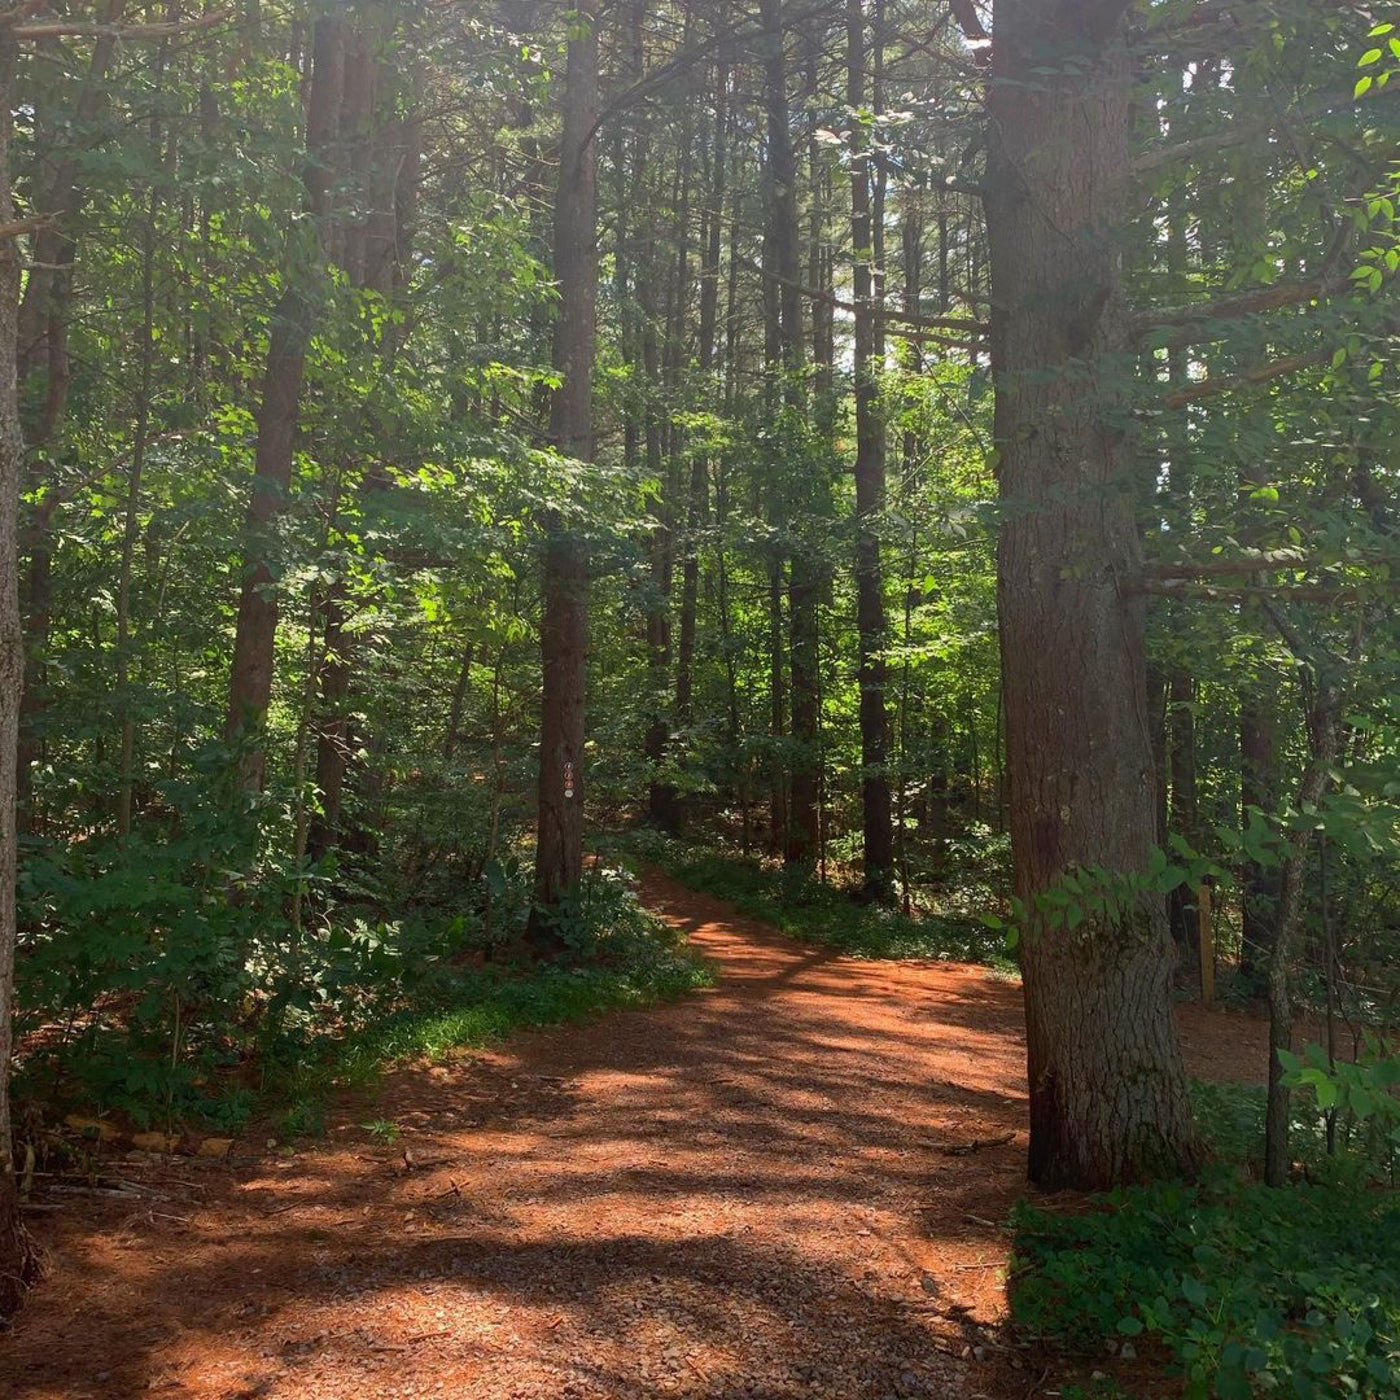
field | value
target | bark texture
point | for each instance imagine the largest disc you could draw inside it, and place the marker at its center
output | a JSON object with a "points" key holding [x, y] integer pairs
{"points": [[564, 624], [1107, 1085], [799, 808]]}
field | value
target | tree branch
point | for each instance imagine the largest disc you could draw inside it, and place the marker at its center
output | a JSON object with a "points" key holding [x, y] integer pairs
{"points": [[1260, 374], [1243, 304], [1214, 593], [1236, 132], [1250, 561], [63, 29]]}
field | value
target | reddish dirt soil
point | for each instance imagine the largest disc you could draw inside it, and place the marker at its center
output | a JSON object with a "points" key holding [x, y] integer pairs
{"points": [[788, 1186]]}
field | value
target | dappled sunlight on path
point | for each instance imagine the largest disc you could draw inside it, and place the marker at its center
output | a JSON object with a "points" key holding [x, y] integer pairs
{"points": [[789, 1185]]}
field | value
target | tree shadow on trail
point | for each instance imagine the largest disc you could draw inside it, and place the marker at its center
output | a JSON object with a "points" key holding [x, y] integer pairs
{"points": [[751, 1193]]}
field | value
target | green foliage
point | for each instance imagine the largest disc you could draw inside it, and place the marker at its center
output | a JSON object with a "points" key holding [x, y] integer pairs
{"points": [[793, 900], [156, 988], [1247, 1289], [643, 963], [1357, 1098]]}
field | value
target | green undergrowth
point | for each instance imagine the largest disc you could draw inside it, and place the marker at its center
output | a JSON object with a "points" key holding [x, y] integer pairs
{"points": [[795, 901], [1237, 1288], [150, 995], [484, 1008]]}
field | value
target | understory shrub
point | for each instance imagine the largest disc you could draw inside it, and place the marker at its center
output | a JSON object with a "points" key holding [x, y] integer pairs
{"points": [[1244, 1289], [157, 981], [795, 901], [1249, 1290]]}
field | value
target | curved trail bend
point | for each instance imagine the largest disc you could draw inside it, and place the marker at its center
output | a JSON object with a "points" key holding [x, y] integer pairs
{"points": [[787, 1186]]}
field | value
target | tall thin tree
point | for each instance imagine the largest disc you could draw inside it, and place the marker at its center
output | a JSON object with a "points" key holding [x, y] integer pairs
{"points": [[289, 335], [564, 622], [876, 830]]}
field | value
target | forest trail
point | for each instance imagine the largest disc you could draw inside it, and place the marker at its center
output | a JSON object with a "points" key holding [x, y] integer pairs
{"points": [[785, 1186]]}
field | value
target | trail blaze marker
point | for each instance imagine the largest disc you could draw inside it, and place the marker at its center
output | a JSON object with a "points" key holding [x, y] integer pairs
{"points": [[568, 779]]}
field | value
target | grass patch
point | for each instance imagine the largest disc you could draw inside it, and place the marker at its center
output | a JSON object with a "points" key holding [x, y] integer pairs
{"points": [[805, 909]]}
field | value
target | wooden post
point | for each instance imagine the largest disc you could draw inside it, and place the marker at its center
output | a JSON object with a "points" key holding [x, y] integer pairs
{"points": [[1206, 932]]}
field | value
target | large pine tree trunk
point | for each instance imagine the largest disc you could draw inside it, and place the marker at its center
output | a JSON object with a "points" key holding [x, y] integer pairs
{"points": [[564, 624], [1107, 1085], [250, 675]]}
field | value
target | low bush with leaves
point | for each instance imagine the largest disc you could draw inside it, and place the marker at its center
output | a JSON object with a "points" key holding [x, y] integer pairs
{"points": [[1244, 1289], [793, 900], [155, 986], [1248, 1289]]}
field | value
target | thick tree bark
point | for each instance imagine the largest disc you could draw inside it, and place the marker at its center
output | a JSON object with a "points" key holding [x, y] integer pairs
{"points": [[17, 1260], [250, 675], [876, 831], [1107, 1085], [564, 624]]}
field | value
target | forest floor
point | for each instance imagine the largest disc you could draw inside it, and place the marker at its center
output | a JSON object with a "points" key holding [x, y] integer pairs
{"points": [[788, 1185]]}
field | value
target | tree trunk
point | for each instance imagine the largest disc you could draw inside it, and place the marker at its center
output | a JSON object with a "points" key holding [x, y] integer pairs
{"points": [[660, 794], [17, 1260], [1181, 717], [781, 257], [564, 622], [332, 718], [453, 730], [374, 249], [42, 340], [1108, 1095], [1322, 736], [1259, 884], [250, 675], [698, 496], [876, 832]]}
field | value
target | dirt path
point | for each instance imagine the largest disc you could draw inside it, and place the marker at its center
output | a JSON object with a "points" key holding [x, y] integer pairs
{"points": [[765, 1191]]}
